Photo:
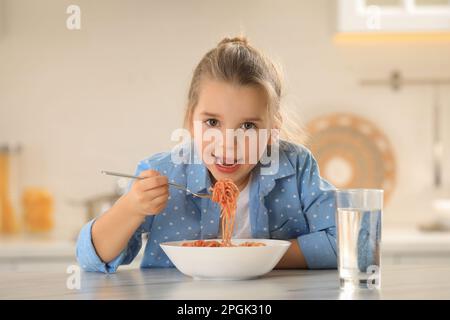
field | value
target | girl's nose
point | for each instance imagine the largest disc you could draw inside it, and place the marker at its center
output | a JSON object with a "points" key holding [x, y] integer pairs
{"points": [[228, 153]]}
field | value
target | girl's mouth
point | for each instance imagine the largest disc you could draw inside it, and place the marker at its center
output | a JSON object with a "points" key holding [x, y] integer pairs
{"points": [[226, 166]]}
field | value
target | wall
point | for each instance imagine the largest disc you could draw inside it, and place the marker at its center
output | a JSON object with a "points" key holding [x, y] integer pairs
{"points": [[111, 93]]}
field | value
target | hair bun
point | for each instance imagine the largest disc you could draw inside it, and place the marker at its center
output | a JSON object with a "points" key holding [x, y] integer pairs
{"points": [[235, 40]]}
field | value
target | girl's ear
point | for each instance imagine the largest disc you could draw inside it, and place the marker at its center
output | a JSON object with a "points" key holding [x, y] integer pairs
{"points": [[274, 133], [189, 125], [271, 139], [191, 129]]}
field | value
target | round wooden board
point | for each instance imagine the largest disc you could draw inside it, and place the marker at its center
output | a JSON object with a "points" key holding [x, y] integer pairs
{"points": [[352, 152]]}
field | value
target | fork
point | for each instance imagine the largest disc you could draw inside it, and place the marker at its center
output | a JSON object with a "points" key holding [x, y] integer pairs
{"points": [[175, 185]]}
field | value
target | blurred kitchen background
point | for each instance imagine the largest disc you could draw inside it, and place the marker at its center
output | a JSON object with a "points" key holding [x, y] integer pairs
{"points": [[372, 76]]}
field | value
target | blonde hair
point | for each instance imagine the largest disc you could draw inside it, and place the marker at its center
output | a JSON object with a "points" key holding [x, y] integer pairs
{"points": [[235, 61]]}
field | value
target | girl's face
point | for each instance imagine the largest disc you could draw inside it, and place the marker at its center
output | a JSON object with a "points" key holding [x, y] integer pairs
{"points": [[221, 106]]}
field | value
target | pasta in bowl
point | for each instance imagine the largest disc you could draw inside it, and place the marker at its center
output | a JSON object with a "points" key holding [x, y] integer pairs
{"points": [[226, 258], [226, 262]]}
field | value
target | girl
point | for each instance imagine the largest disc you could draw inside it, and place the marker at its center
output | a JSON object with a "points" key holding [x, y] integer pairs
{"points": [[233, 87]]}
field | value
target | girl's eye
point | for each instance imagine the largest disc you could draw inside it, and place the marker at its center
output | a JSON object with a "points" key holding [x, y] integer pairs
{"points": [[248, 125], [212, 122]]}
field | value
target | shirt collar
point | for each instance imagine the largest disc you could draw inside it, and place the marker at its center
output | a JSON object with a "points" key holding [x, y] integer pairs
{"points": [[279, 167]]}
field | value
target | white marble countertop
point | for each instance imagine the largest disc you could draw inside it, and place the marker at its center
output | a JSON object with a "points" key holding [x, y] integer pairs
{"points": [[398, 282]]}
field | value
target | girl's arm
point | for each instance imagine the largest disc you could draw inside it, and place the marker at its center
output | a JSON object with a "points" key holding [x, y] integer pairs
{"points": [[318, 204], [112, 231], [293, 258], [115, 237]]}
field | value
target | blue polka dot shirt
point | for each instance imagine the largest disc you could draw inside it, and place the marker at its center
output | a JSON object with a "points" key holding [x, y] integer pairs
{"points": [[292, 202]]}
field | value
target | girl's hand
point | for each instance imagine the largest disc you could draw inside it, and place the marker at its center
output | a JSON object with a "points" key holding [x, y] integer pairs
{"points": [[149, 196]]}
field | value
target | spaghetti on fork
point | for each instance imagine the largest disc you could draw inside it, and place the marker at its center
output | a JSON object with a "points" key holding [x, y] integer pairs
{"points": [[225, 193]]}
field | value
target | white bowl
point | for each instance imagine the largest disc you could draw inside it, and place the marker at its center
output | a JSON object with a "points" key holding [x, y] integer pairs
{"points": [[226, 263]]}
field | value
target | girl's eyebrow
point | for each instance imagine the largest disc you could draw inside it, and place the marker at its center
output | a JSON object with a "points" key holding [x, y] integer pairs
{"points": [[253, 119], [209, 114]]}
